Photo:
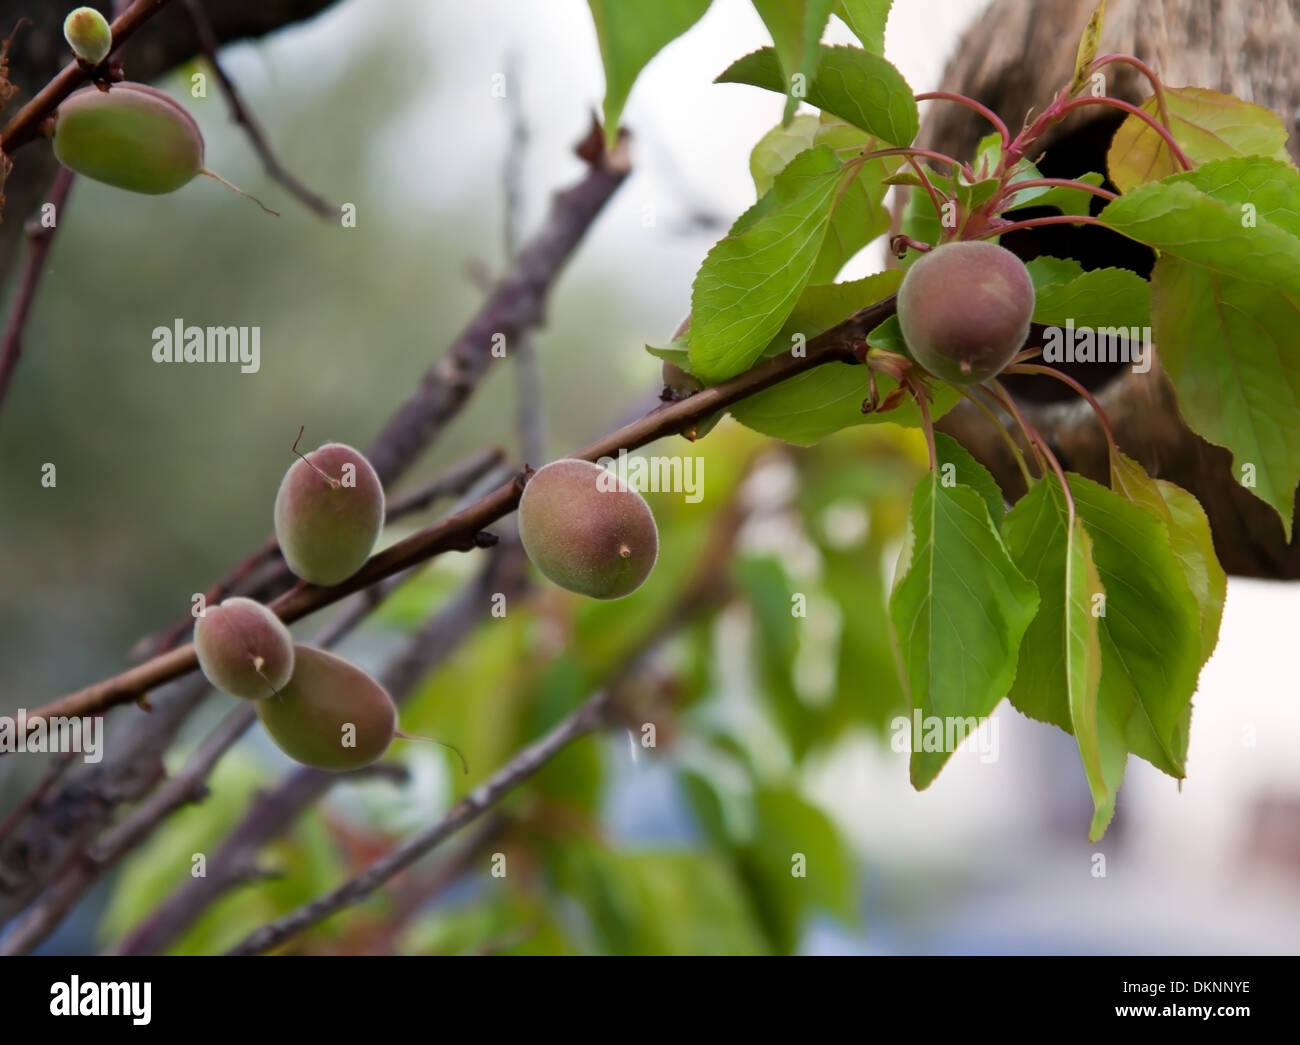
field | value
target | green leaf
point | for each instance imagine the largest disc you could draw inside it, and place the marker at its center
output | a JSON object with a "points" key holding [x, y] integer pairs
{"points": [[1238, 218], [1225, 297], [823, 305], [1231, 349], [796, 27], [1100, 298], [866, 20], [959, 609], [1059, 671], [956, 465], [1206, 125], [1087, 50], [1151, 630], [860, 214], [852, 84], [1045, 270], [751, 279], [1189, 537], [631, 32]]}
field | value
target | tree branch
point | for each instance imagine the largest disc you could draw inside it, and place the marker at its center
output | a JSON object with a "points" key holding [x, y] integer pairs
{"points": [[240, 113], [465, 529], [39, 240]]}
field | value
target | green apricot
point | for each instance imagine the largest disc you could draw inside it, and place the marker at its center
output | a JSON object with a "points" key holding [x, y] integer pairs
{"points": [[244, 648], [88, 34], [586, 531], [328, 514], [331, 715], [965, 309], [132, 137]]}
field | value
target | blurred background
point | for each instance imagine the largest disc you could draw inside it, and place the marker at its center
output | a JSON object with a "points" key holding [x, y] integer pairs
{"points": [[777, 741]]}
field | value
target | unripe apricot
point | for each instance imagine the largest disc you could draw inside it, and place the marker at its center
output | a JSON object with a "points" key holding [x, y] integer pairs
{"points": [[331, 715], [328, 514], [132, 137], [586, 531], [965, 310], [88, 34], [243, 648]]}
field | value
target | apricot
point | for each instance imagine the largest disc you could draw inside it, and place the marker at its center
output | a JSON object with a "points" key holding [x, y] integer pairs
{"points": [[965, 310], [586, 531], [132, 137], [243, 648], [328, 514], [331, 715]]}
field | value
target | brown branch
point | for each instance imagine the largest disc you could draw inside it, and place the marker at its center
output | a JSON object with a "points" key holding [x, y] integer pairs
{"points": [[273, 812], [26, 122], [240, 113], [39, 240], [524, 765], [466, 529]]}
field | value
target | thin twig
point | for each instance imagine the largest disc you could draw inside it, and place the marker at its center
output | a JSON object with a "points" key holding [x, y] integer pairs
{"points": [[528, 369], [240, 113], [524, 765], [39, 240]]}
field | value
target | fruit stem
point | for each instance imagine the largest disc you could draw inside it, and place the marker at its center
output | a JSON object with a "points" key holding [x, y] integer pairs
{"points": [[919, 394], [999, 395], [434, 740], [1034, 368], [1132, 110], [334, 483], [933, 193], [1157, 85], [1033, 223], [1067, 183], [1016, 452], [236, 189], [972, 104]]}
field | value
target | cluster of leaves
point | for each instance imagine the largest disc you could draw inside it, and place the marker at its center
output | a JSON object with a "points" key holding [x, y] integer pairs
{"points": [[1091, 608]]}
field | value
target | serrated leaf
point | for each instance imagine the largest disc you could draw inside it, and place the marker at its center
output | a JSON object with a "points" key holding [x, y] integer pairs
{"points": [[630, 33], [960, 609], [751, 279], [796, 27], [866, 20], [1207, 126], [1225, 296], [1099, 298], [1232, 351], [1189, 537], [1087, 50], [852, 84]]}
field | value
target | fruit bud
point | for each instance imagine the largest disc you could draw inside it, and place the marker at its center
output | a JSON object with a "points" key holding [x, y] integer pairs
{"points": [[88, 34]]}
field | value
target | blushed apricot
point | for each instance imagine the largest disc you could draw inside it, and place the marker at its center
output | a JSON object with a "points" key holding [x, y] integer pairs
{"points": [[243, 648]]}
